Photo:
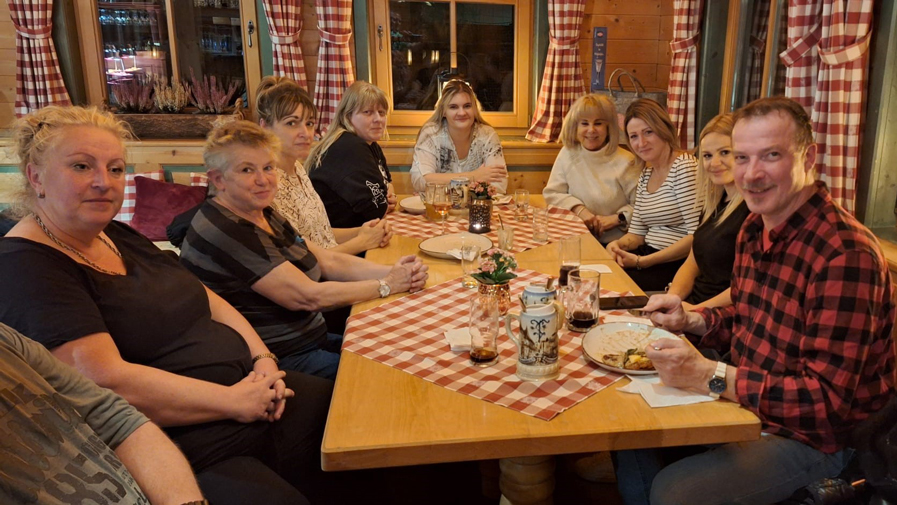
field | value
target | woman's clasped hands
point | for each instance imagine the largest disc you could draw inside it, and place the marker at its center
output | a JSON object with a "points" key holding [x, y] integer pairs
{"points": [[261, 395], [375, 233], [408, 274]]}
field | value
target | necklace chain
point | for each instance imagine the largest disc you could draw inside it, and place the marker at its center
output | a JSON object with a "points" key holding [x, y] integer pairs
{"points": [[77, 252]]}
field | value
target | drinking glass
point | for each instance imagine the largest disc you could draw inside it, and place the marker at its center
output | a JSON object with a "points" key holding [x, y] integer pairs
{"points": [[506, 239], [570, 257], [470, 262], [521, 201], [581, 300], [540, 225], [483, 328], [439, 197]]}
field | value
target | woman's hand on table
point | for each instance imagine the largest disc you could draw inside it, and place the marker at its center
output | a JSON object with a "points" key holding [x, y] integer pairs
{"points": [[408, 274], [255, 395], [490, 174], [623, 257], [374, 233], [391, 198]]}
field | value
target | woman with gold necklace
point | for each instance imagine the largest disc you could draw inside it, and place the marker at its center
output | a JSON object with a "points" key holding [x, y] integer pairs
{"points": [[104, 299]]}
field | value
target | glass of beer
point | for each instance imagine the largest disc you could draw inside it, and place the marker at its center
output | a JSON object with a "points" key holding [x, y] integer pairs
{"points": [[483, 327], [581, 300], [570, 253]]}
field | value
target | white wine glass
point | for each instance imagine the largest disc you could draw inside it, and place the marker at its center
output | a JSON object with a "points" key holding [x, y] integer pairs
{"points": [[439, 197]]}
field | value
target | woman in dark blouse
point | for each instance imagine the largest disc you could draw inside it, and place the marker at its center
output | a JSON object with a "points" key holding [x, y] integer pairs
{"points": [[703, 280], [104, 299], [348, 168]]}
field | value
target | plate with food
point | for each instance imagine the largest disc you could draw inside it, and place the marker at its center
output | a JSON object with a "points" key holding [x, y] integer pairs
{"points": [[620, 347], [413, 205]]}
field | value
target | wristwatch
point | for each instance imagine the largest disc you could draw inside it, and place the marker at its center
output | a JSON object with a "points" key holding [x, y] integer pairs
{"points": [[383, 289], [622, 219], [718, 382]]}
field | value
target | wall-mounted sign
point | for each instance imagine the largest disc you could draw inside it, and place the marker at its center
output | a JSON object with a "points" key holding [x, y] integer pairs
{"points": [[599, 56]]}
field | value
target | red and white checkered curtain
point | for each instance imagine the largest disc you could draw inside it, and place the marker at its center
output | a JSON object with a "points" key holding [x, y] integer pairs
{"points": [[335, 72], [800, 58], [681, 102], [757, 48], [562, 80], [284, 24], [838, 108], [38, 79]]}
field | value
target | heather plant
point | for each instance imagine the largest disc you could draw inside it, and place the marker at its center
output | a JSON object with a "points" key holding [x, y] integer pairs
{"points": [[170, 98], [134, 95], [210, 96]]}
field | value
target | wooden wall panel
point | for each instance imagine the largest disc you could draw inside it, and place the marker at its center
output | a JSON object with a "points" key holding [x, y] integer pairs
{"points": [[639, 34]]}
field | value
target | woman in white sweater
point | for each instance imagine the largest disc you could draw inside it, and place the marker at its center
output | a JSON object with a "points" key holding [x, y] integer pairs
{"points": [[591, 176]]}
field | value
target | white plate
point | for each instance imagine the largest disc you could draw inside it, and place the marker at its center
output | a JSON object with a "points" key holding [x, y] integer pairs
{"points": [[613, 338], [439, 246], [413, 205]]}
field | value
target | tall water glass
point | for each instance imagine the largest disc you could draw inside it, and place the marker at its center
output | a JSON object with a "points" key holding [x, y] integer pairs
{"points": [[521, 203], [470, 262], [483, 327], [540, 225]]}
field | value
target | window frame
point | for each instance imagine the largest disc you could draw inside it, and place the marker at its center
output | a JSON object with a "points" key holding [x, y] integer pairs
{"points": [[405, 121]]}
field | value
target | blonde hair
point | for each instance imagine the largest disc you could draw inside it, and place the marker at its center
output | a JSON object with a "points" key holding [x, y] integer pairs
{"points": [[588, 105], [657, 119], [217, 152], [35, 133], [451, 89], [277, 97], [358, 96], [712, 193]]}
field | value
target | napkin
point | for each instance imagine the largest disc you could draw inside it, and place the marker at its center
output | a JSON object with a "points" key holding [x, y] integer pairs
{"points": [[458, 339], [502, 199], [454, 253], [603, 269], [658, 395]]}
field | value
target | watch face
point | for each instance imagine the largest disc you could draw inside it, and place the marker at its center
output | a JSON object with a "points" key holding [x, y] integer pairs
{"points": [[718, 385]]}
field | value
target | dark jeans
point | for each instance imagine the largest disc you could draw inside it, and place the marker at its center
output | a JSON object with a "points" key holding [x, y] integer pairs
{"points": [[322, 362], [657, 277]]}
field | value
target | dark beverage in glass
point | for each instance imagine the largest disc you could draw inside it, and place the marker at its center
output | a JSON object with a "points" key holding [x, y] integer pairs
{"points": [[582, 321], [482, 356], [565, 271]]}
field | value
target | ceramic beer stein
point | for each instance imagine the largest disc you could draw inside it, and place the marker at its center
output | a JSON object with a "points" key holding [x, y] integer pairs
{"points": [[537, 294], [537, 344]]}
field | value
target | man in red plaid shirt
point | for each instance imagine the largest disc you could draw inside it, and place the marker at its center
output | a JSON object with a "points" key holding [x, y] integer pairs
{"points": [[809, 332]]}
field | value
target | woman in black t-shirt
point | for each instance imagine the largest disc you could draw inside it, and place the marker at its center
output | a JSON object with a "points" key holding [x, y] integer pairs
{"points": [[703, 280], [348, 168]]}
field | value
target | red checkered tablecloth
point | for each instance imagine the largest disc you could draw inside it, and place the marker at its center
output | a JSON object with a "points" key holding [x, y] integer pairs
{"points": [[561, 223], [408, 334]]}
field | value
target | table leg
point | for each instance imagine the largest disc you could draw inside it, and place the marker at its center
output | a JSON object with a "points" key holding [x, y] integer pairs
{"points": [[527, 480]]}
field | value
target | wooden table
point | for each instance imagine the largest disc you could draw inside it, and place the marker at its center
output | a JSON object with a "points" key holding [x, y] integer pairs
{"points": [[383, 417]]}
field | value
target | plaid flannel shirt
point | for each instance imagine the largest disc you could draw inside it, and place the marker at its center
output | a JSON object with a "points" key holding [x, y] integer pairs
{"points": [[810, 328]]}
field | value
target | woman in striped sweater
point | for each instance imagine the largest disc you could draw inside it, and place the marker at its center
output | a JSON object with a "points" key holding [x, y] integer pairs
{"points": [[665, 214]]}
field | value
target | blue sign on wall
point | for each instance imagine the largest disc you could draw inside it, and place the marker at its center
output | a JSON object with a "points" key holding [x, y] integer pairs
{"points": [[599, 55]]}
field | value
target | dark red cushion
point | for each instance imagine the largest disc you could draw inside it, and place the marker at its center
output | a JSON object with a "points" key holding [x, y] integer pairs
{"points": [[159, 202]]}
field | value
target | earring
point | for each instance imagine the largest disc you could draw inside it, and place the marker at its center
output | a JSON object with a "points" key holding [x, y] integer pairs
{"points": [[41, 195]]}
